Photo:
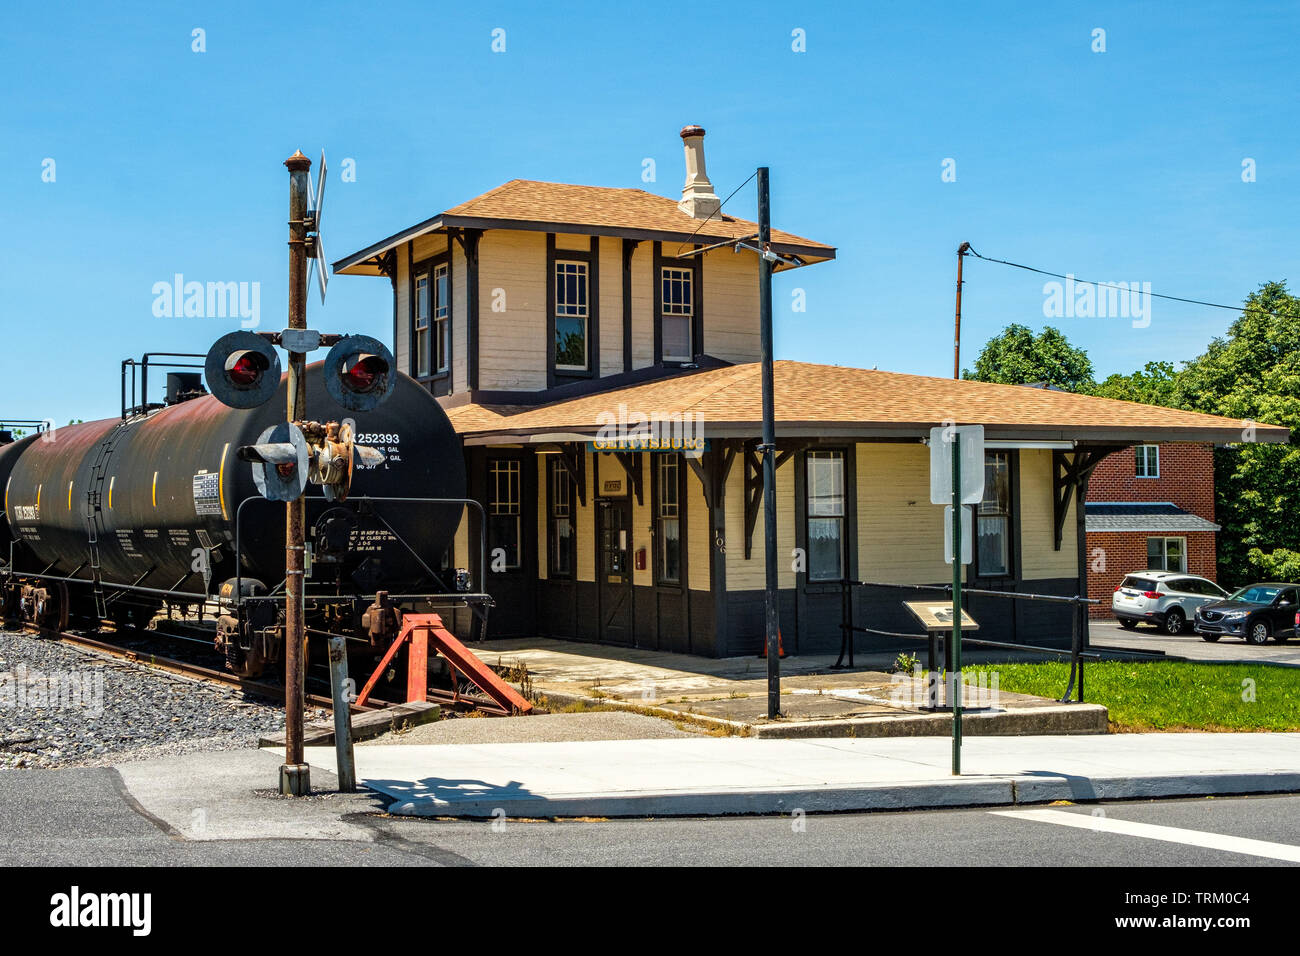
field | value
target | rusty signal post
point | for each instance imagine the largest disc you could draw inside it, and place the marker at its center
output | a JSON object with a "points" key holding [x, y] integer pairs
{"points": [[243, 371]]}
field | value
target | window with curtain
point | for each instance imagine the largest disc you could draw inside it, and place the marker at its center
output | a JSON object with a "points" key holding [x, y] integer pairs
{"points": [[563, 539], [677, 309], [993, 517], [668, 521], [826, 511]]}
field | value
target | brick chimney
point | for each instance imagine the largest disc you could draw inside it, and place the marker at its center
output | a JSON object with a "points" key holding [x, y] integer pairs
{"points": [[698, 198]]}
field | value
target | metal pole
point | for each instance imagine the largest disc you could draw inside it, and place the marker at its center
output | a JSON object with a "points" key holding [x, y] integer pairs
{"points": [[295, 774], [768, 449], [956, 342], [954, 675], [347, 772]]}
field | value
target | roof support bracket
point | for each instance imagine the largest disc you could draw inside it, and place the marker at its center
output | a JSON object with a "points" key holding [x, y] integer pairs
{"points": [[754, 488], [631, 462], [1070, 475], [574, 459]]}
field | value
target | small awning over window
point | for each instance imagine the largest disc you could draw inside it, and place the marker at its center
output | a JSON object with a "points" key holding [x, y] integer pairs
{"points": [[1154, 516]]}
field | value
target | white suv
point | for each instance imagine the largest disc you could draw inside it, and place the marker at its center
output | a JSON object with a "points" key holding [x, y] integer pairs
{"points": [[1166, 599]]}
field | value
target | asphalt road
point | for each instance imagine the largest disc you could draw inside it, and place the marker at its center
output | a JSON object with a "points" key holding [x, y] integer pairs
{"points": [[85, 818], [1190, 646]]}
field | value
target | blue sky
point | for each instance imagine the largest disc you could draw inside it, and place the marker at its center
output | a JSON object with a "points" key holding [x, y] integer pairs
{"points": [[1122, 165]]}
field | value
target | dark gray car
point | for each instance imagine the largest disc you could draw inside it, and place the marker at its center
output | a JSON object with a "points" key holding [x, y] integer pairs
{"points": [[1256, 613]]}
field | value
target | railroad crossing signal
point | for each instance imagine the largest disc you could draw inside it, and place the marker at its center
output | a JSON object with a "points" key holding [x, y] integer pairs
{"points": [[242, 370], [359, 372], [315, 207], [279, 460]]}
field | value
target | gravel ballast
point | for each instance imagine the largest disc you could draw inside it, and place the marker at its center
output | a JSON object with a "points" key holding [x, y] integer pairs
{"points": [[62, 706]]}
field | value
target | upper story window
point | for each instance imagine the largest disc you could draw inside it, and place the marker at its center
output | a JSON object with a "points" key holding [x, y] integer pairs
{"points": [[422, 326], [678, 311], [993, 517], [431, 320], [572, 315], [1148, 461], [826, 514], [441, 319]]}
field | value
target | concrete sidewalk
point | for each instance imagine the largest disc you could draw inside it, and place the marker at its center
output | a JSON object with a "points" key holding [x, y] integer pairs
{"points": [[729, 694], [729, 775]]}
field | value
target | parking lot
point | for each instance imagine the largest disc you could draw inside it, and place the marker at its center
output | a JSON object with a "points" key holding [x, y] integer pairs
{"points": [[1108, 633]]}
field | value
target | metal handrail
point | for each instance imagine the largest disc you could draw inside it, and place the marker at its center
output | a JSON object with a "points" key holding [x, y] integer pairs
{"points": [[1077, 654]]}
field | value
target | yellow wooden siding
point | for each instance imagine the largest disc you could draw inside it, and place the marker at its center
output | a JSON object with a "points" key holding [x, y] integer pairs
{"points": [[543, 543], [402, 340], [900, 534], [642, 521], [698, 532], [512, 343], [643, 309], [1037, 556], [460, 547], [730, 304], [424, 247], [745, 575], [586, 525], [459, 320], [572, 242], [611, 306]]}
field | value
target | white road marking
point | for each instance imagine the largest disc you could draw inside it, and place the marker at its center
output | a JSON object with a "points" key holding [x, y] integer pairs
{"points": [[1152, 831]]}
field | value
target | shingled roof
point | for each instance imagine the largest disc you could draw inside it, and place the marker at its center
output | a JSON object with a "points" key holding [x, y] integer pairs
{"points": [[529, 205], [831, 401]]}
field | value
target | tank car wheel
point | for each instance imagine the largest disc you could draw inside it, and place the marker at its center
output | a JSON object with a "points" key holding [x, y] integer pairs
{"points": [[51, 609]]}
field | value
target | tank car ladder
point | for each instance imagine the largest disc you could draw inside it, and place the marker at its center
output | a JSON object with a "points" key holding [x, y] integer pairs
{"points": [[93, 515]]}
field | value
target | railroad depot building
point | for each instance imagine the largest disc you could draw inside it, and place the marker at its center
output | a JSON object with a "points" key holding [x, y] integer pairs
{"points": [[550, 318]]}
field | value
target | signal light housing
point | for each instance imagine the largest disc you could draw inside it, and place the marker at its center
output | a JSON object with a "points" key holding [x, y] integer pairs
{"points": [[360, 372], [242, 370], [281, 462]]}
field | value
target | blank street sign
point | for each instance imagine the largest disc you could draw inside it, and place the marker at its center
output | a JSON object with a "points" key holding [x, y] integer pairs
{"points": [[972, 463], [966, 537]]}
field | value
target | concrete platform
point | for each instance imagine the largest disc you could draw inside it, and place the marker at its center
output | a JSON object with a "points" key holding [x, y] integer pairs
{"points": [[729, 695], [696, 776]]}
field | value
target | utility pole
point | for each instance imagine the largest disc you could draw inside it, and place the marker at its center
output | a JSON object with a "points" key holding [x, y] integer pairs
{"points": [[295, 774], [768, 448], [954, 677], [956, 342]]}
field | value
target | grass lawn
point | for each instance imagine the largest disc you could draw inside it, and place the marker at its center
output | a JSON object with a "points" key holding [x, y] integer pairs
{"points": [[1170, 695]]}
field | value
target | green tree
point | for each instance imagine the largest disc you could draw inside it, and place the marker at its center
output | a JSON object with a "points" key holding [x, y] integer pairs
{"points": [[1253, 374], [1018, 357], [1153, 385]]}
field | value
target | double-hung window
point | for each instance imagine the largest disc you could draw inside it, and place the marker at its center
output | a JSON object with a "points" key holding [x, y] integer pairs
{"points": [[1167, 554], [560, 514], [441, 319], [504, 519], [668, 519], [422, 326], [677, 308], [993, 517], [825, 501], [572, 316], [1147, 463]]}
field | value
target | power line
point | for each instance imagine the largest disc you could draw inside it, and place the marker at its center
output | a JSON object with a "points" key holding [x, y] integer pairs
{"points": [[1111, 285], [715, 212]]}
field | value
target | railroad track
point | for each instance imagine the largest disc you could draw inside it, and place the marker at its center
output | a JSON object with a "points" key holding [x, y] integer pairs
{"points": [[173, 665], [452, 700]]}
